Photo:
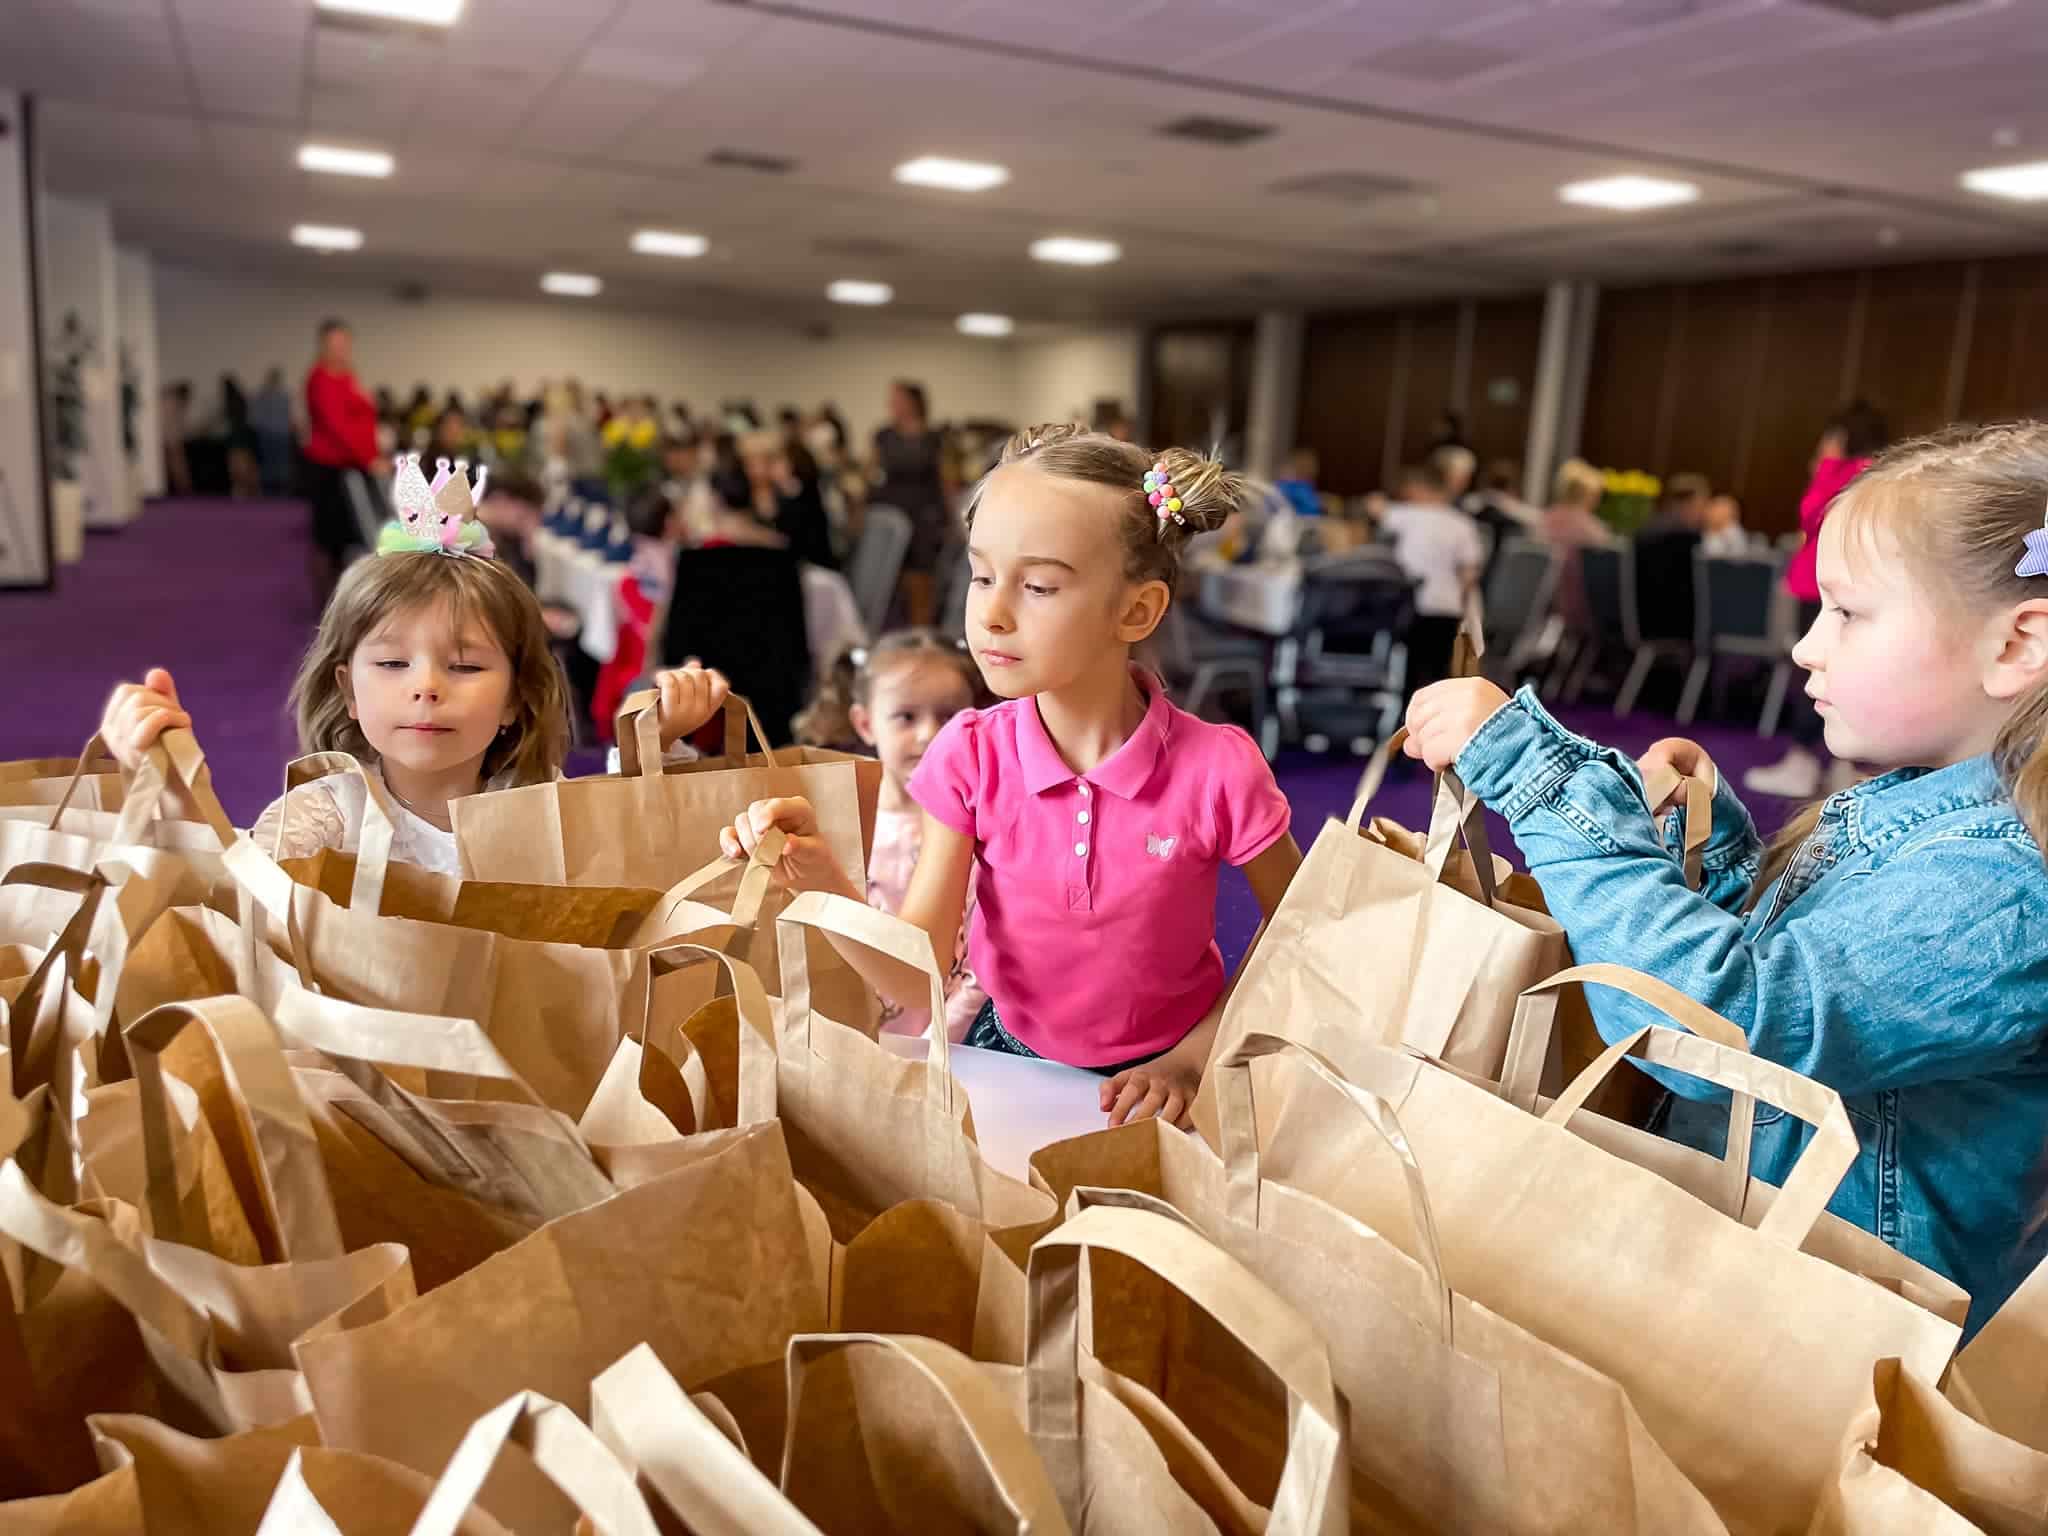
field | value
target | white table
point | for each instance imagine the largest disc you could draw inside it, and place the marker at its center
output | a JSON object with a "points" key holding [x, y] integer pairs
{"points": [[1020, 1104], [1262, 598]]}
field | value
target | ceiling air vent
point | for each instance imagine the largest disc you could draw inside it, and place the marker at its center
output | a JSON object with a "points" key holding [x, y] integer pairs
{"points": [[1884, 10], [750, 160], [1228, 132], [1351, 188], [859, 248]]}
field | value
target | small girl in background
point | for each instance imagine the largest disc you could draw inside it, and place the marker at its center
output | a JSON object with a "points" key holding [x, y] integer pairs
{"points": [[1090, 816], [896, 697], [432, 669], [1893, 942]]}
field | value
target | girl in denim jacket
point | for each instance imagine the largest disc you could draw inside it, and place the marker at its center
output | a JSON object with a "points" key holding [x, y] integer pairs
{"points": [[1893, 942]]}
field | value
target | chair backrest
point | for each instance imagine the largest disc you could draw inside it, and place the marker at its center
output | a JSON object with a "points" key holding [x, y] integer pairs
{"points": [[741, 609], [1737, 602], [1666, 606], [955, 570], [362, 501], [1356, 593], [1604, 577], [1518, 593], [877, 563]]}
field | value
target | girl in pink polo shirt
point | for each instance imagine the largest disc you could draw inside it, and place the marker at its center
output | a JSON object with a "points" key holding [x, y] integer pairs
{"points": [[1090, 813]]}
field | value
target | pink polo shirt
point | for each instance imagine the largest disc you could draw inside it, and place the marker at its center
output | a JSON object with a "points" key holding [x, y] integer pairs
{"points": [[1095, 894]]}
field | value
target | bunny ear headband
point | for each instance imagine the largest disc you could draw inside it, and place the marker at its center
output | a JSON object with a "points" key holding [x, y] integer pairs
{"points": [[435, 519]]}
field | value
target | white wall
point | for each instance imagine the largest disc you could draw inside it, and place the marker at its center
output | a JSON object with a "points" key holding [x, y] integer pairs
{"points": [[1061, 378], [137, 300], [24, 559], [78, 272], [209, 323]]}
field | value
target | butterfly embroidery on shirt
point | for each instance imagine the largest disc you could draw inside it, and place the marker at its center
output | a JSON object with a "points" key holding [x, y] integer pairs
{"points": [[1159, 847]]}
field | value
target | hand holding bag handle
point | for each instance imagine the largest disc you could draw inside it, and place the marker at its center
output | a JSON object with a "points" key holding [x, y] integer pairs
{"points": [[637, 730], [1696, 811], [1456, 814]]}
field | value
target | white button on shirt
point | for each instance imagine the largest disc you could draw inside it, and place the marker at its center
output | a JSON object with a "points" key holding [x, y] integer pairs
{"points": [[1082, 818], [1081, 850]]}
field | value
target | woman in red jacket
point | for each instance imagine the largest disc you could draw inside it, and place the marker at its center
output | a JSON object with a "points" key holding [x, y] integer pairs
{"points": [[1855, 436], [341, 435]]}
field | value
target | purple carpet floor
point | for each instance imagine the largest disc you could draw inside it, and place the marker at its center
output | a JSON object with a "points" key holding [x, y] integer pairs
{"points": [[218, 592]]}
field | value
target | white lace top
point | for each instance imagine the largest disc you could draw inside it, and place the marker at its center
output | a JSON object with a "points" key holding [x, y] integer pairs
{"points": [[328, 813]]}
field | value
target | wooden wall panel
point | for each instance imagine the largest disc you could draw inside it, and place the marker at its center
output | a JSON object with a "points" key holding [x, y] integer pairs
{"points": [[1429, 382], [1712, 385], [1200, 384], [1909, 343], [1507, 334], [1807, 325], [1632, 335], [1347, 388], [2006, 373]]}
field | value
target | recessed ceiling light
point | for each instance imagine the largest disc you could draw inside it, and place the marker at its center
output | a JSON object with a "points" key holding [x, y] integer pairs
{"points": [[851, 290], [1888, 237], [337, 161], [432, 13], [575, 285], [952, 175], [2006, 138], [985, 325], [1073, 251], [669, 242], [2022, 183], [327, 237], [1629, 194]]}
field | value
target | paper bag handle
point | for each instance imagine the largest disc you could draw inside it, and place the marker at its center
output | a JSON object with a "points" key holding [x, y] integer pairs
{"points": [[1000, 1442], [1696, 813], [1313, 1491], [95, 926], [1455, 814], [637, 730], [79, 1242], [373, 841], [1237, 1119], [846, 918], [658, 1432], [287, 1177], [678, 912], [757, 1087], [573, 1458], [1820, 1167]]}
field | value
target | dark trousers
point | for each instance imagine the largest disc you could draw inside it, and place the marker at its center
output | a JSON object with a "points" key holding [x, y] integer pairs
{"points": [[1431, 640]]}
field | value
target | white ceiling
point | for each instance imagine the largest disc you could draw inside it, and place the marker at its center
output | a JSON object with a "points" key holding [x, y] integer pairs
{"points": [[540, 133]]}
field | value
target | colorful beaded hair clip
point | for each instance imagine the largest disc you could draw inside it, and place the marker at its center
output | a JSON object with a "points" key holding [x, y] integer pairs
{"points": [[435, 519], [2035, 561], [1160, 493]]}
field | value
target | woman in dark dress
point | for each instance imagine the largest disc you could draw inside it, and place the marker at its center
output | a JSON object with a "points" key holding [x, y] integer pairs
{"points": [[910, 475]]}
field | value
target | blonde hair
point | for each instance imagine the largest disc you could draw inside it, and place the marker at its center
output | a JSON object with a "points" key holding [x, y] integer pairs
{"points": [[1577, 484], [1152, 544], [528, 751], [1959, 505], [828, 720]]}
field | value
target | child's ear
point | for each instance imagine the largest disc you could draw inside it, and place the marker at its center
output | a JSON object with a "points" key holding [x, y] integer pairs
{"points": [[2021, 664], [863, 723], [347, 685], [1144, 606]]}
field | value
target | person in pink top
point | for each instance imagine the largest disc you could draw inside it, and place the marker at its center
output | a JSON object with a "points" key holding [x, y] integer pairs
{"points": [[1855, 437], [1092, 816], [894, 697]]}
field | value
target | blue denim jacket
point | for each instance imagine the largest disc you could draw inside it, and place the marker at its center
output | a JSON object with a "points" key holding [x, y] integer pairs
{"points": [[1902, 960]]}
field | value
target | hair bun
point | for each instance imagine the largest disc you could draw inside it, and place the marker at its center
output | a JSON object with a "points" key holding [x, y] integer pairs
{"points": [[1207, 491]]}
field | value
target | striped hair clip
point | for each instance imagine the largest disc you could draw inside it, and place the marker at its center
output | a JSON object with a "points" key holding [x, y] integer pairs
{"points": [[1160, 493], [2035, 561]]}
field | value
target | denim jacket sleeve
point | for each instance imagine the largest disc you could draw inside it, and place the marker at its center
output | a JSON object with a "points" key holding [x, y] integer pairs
{"points": [[1856, 1004], [1733, 853]]}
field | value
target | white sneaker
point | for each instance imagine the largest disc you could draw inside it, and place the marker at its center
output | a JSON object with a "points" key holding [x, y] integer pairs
{"points": [[1796, 776], [1842, 775]]}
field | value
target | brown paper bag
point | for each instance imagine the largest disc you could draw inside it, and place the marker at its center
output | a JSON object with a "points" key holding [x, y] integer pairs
{"points": [[1404, 940], [1916, 1462], [1491, 1429], [1744, 1355], [2001, 1376], [147, 833], [546, 971], [653, 827], [1135, 1261], [708, 1264], [902, 1433], [688, 1453]]}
